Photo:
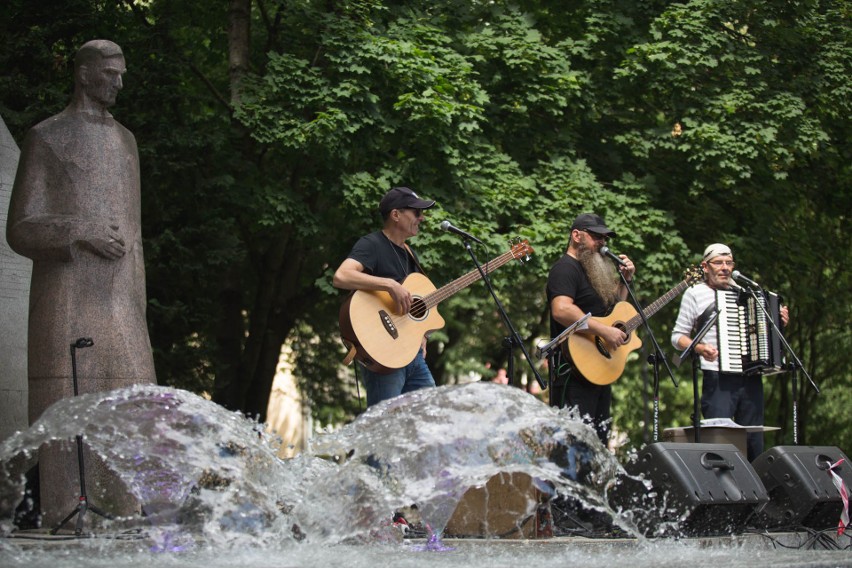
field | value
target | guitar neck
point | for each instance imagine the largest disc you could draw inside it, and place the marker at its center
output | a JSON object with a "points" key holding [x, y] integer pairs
{"points": [[653, 308], [463, 282]]}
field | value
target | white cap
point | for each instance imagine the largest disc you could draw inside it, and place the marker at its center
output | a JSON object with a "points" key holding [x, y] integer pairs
{"points": [[717, 249]]}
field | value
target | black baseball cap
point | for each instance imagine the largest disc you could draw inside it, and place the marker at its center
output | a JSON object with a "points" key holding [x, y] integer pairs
{"points": [[593, 223], [402, 198]]}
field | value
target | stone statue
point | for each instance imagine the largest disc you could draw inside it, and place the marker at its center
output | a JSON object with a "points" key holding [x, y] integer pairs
{"points": [[75, 211]]}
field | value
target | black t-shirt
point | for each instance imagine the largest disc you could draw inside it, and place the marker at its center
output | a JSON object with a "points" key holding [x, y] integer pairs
{"points": [[568, 278], [382, 258]]}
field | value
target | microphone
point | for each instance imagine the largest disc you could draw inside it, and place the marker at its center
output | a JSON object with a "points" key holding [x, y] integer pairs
{"points": [[739, 276], [606, 252], [447, 226]]}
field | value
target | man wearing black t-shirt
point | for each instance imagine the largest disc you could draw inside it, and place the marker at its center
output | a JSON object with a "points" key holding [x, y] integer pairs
{"points": [[381, 261], [584, 281]]}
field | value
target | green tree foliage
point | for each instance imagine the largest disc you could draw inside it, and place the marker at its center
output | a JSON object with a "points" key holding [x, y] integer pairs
{"points": [[269, 130], [739, 112]]}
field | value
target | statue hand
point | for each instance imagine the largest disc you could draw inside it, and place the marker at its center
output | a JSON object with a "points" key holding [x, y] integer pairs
{"points": [[104, 241]]}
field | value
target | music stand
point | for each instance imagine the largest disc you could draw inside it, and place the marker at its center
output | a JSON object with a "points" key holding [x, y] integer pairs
{"points": [[546, 350], [549, 351], [83, 504], [690, 352]]}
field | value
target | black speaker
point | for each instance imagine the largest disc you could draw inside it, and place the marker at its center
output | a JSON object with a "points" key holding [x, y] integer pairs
{"points": [[689, 490], [801, 488]]}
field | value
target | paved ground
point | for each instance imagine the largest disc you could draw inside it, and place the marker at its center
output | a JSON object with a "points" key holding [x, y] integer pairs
{"points": [[752, 540]]}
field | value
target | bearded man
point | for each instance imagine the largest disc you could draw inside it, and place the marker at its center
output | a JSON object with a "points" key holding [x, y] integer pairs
{"points": [[584, 281]]}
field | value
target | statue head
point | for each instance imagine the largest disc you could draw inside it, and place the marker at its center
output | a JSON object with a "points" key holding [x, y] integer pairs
{"points": [[98, 67]]}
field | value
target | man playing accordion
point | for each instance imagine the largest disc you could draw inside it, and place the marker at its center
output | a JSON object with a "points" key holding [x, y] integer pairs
{"points": [[724, 394]]}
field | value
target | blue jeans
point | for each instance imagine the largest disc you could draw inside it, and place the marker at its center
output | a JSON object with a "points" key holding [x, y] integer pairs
{"points": [[416, 375], [735, 396]]}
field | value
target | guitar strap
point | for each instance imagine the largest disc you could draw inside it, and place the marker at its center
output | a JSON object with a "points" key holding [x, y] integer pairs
{"points": [[350, 355], [416, 262]]}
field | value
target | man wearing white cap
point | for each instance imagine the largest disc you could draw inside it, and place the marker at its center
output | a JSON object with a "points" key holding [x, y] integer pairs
{"points": [[723, 395]]}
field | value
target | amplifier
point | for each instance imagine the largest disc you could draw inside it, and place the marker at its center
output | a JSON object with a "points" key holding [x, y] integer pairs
{"points": [[801, 488], [689, 489]]}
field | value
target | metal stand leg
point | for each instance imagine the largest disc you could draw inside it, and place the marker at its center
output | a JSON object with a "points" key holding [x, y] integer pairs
{"points": [[83, 505]]}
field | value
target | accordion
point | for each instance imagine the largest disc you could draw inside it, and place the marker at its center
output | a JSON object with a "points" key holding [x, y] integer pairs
{"points": [[748, 342]]}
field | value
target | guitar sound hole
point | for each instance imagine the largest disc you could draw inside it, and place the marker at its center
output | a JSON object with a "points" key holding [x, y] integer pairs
{"points": [[418, 309], [602, 348]]}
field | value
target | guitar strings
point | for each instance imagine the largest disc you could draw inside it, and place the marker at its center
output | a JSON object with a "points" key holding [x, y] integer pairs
{"points": [[436, 296]]}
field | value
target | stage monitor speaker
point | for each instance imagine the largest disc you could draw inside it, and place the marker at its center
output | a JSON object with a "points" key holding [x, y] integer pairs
{"points": [[689, 489], [801, 488]]}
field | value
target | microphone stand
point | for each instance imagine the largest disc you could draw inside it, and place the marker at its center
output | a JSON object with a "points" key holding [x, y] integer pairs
{"points": [[794, 388], [83, 504], [513, 334], [690, 352], [509, 343], [654, 358], [793, 367]]}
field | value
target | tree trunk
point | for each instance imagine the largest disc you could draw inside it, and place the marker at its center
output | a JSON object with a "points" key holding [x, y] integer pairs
{"points": [[229, 342], [256, 354], [239, 45], [281, 302], [230, 327]]}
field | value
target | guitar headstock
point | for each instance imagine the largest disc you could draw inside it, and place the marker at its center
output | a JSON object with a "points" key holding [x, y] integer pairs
{"points": [[693, 275], [522, 250]]}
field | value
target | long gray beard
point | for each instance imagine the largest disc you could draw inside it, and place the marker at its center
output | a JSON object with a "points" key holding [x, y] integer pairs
{"points": [[600, 272]]}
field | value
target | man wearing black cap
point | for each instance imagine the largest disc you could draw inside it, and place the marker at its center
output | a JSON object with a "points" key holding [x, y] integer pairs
{"points": [[381, 261], [584, 281]]}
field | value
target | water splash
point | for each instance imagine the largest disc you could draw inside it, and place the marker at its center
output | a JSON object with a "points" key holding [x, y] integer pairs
{"points": [[430, 446], [216, 494], [188, 462], [203, 474]]}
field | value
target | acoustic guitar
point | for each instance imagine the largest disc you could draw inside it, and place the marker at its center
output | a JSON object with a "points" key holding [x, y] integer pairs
{"points": [[590, 354], [383, 340]]}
